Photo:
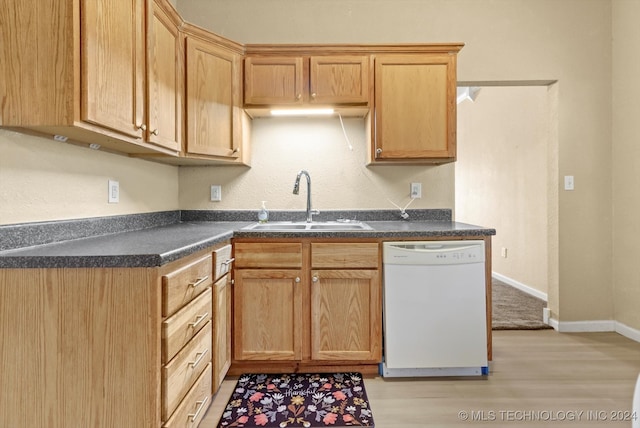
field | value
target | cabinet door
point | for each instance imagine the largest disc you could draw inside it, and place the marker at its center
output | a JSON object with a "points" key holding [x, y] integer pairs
{"points": [[113, 61], [415, 114], [212, 98], [164, 95], [221, 330], [346, 312], [267, 308], [274, 81], [339, 80]]}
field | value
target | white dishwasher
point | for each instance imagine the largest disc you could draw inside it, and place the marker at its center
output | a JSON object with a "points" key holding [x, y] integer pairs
{"points": [[434, 309]]}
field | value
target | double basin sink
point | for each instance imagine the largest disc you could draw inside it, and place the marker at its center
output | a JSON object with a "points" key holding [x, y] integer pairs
{"points": [[316, 226]]}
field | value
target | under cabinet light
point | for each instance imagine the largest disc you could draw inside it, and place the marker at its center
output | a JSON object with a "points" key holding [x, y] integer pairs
{"points": [[302, 112]]}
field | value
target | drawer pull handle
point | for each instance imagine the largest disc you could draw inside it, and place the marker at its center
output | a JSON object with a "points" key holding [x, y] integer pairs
{"points": [[200, 355], [228, 262], [200, 404], [198, 281], [199, 319]]}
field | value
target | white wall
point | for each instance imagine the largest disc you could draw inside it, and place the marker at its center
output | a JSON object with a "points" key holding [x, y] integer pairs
{"points": [[42, 179], [626, 161], [340, 180], [502, 174]]}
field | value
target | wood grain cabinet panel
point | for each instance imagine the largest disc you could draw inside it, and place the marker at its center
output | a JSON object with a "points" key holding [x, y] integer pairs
{"points": [[179, 375], [346, 316], [182, 285], [295, 81], [88, 60], [339, 80], [415, 114], [222, 330], [165, 85], [194, 406], [324, 312], [345, 255], [274, 80], [182, 326], [214, 122], [267, 314]]}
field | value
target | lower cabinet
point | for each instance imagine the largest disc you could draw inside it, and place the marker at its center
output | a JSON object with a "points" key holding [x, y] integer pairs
{"points": [[114, 347], [268, 322], [301, 304]]}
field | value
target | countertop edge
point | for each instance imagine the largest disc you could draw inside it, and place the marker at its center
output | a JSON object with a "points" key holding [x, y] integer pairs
{"points": [[381, 230]]}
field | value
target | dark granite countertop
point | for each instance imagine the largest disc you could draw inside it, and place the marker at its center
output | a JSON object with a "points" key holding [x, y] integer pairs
{"points": [[156, 246]]}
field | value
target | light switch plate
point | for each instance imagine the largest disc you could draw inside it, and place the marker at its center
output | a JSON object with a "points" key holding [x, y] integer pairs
{"points": [[568, 182], [416, 190], [114, 192]]}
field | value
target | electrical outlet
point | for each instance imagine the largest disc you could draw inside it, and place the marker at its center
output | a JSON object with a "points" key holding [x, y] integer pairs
{"points": [[216, 193], [416, 191], [114, 192]]}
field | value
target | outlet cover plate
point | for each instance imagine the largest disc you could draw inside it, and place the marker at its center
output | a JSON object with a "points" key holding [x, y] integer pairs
{"points": [[216, 193]]}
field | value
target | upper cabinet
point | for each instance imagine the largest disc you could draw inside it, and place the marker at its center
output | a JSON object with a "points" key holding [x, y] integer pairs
{"points": [[415, 108], [77, 70], [132, 77], [165, 79], [113, 90], [215, 118], [318, 79]]}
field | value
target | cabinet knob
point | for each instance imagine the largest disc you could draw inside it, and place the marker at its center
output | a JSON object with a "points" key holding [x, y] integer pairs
{"points": [[299, 97], [313, 95], [297, 279], [154, 132], [315, 279], [378, 151], [143, 127]]}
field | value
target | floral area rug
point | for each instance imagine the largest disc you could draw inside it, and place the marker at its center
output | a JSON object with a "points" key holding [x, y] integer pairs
{"points": [[298, 400]]}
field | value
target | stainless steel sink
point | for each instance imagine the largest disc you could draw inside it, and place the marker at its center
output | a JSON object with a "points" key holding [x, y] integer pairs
{"points": [[316, 226]]}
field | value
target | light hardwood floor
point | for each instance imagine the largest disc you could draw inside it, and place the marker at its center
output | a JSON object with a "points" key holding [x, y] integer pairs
{"points": [[538, 379]]}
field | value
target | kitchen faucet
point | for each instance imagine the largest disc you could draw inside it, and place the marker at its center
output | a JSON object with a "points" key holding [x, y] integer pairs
{"points": [[296, 190]]}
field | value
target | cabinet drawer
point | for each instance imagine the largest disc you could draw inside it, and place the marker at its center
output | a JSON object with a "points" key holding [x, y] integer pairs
{"points": [[182, 285], [181, 373], [268, 255], [194, 406], [178, 329], [344, 255], [222, 261]]}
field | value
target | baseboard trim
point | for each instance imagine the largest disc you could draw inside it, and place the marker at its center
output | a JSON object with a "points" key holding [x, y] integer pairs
{"points": [[520, 286], [584, 326], [626, 331], [595, 326]]}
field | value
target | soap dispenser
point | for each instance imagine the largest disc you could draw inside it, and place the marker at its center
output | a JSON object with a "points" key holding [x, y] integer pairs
{"points": [[263, 214]]}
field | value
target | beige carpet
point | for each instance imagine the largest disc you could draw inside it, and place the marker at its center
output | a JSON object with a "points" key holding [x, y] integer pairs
{"points": [[513, 309]]}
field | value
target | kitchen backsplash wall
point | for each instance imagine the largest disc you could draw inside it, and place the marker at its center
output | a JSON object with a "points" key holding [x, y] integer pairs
{"points": [[339, 178], [42, 179]]}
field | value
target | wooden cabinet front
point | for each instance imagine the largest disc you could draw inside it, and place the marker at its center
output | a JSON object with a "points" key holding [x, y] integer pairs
{"points": [[268, 314], [415, 114], [274, 81], [164, 80], [300, 303], [295, 81], [346, 316], [113, 63], [339, 80], [212, 99]]}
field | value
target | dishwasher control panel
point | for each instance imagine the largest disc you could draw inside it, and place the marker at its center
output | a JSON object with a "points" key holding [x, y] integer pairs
{"points": [[433, 252]]}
